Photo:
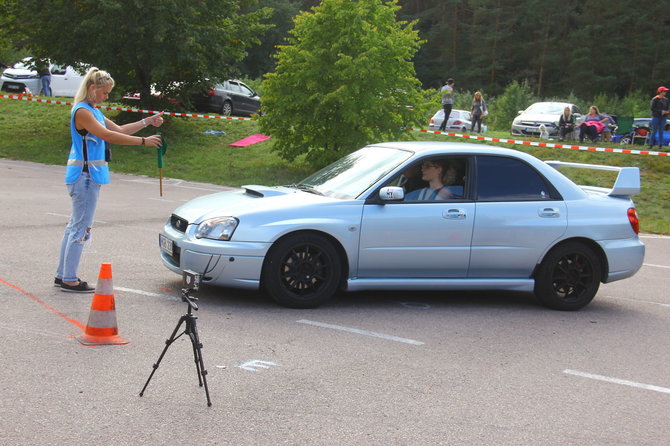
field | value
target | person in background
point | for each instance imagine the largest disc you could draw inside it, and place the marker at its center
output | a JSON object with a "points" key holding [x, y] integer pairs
{"points": [[610, 127], [566, 123], [45, 78], [593, 124], [447, 101], [659, 117], [478, 111], [87, 169]]}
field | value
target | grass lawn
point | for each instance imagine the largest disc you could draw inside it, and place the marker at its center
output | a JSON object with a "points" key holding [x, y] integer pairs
{"points": [[40, 132]]}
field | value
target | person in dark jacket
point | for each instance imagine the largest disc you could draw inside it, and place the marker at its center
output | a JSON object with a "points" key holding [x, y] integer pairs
{"points": [[659, 117], [566, 123]]}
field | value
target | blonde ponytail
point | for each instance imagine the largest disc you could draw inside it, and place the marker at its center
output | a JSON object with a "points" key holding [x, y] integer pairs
{"points": [[94, 76]]}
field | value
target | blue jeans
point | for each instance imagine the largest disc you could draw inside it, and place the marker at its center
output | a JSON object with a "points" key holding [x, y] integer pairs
{"points": [[84, 194], [657, 129], [46, 85]]}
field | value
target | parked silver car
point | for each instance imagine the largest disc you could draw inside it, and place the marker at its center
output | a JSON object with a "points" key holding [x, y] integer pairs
{"points": [[513, 222], [528, 122], [459, 120]]}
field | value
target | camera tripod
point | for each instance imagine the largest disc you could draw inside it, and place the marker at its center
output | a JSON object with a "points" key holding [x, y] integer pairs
{"points": [[191, 330]]}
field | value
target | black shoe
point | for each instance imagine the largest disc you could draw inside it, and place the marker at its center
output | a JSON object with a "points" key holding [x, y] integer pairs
{"points": [[58, 282], [81, 287]]}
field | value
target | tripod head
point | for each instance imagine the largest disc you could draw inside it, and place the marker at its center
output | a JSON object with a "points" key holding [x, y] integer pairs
{"points": [[190, 282]]}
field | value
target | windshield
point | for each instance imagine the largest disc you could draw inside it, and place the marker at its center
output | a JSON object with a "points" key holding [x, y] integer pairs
{"points": [[548, 108], [355, 173]]}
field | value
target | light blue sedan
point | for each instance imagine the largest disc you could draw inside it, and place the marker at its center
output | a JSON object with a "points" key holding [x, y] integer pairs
{"points": [[500, 220]]}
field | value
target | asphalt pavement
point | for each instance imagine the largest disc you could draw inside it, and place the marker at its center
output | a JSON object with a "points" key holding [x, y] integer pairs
{"points": [[374, 368]]}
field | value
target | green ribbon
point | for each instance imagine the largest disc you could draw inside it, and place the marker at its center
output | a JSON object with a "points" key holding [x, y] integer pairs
{"points": [[160, 151]]}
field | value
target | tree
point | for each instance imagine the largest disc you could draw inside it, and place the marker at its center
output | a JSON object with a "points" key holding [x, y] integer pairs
{"points": [[164, 44], [345, 79], [259, 59]]}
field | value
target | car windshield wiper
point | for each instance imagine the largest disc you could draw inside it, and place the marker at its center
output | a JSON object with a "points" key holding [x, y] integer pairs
{"points": [[305, 188]]}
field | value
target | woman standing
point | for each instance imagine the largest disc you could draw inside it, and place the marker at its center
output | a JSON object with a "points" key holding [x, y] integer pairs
{"points": [[87, 169], [478, 111]]}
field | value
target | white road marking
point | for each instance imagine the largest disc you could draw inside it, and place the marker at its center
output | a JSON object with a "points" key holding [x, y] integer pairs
{"points": [[638, 301], [361, 332], [654, 236], [255, 364], [623, 382], [145, 293], [655, 266]]}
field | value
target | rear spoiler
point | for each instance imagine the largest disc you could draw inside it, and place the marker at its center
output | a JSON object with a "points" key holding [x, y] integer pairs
{"points": [[627, 182]]}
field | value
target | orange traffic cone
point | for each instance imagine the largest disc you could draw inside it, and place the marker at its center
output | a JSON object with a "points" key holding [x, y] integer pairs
{"points": [[101, 328]]}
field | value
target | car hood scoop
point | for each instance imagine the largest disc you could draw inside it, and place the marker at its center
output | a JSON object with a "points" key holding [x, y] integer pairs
{"points": [[265, 191]]}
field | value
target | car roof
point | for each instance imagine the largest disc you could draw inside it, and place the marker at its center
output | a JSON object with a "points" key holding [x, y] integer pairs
{"points": [[461, 148]]}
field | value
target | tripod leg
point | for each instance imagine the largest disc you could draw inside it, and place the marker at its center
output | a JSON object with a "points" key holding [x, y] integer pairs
{"points": [[199, 363], [169, 342]]}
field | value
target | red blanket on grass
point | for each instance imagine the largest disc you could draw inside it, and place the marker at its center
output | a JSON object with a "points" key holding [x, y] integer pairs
{"points": [[249, 140]]}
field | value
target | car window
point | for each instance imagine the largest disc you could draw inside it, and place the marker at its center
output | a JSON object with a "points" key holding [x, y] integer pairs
{"points": [[57, 69], [246, 90], [234, 87], [355, 173], [417, 190], [508, 179]]}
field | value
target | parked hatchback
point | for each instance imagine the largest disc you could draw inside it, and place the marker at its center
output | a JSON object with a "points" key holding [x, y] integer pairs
{"points": [[64, 80], [528, 122], [228, 98]]}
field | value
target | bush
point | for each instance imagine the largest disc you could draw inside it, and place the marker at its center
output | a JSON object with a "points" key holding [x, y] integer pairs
{"points": [[515, 97]]}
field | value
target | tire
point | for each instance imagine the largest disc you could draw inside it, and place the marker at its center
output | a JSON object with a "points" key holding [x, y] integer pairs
{"points": [[302, 271], [227, 108], [568, 278]]}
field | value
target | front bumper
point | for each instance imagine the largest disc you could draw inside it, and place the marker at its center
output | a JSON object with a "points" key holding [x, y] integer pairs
{"points": [[230, 264], [533, 129]]}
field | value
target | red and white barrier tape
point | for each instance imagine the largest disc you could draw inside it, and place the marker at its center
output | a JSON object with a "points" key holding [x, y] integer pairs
{"points": [[545, 144], [436, 132], [22, 97]]}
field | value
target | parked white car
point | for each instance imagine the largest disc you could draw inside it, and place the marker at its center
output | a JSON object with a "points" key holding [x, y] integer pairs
{"points": [[528, 122], [64, 80], [458, 120]]}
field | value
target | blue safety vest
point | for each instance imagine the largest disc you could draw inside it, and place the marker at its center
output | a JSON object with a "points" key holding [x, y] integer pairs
{"points": [[95, 151]]}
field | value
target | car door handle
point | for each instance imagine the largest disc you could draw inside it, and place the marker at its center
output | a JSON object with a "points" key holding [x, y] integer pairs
{"points": [[549, 213], [454, 214]]}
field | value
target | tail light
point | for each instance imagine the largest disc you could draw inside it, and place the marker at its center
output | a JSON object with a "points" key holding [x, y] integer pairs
{"points": [[634, 221], [432, 121], [210, 91]]}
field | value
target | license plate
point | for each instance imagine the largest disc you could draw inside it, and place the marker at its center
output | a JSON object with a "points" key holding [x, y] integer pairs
{"points": [[166, 244], [13, 87]]}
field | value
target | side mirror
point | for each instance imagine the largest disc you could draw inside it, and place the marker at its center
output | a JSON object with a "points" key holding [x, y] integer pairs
{"points": [[392, 193]]}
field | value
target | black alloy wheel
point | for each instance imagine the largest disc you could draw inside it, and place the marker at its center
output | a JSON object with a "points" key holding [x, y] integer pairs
{"points": [[302, 271], [569, 277]]}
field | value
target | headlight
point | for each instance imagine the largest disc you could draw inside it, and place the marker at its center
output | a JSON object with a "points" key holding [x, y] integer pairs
{"points": [[219, 228]]}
